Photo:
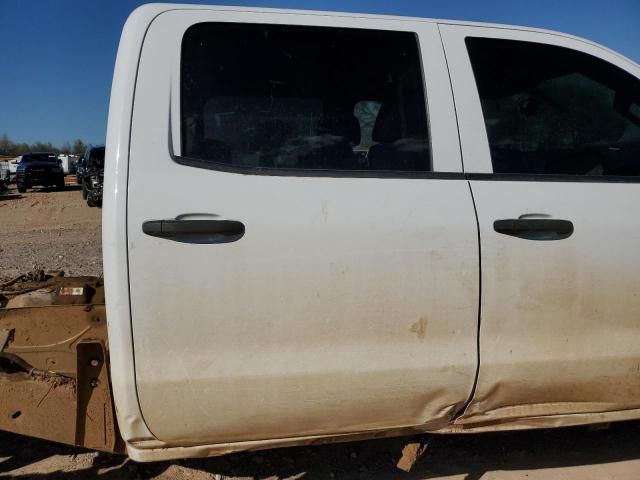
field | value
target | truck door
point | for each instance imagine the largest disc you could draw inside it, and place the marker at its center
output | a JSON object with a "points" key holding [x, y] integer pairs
{"points": [[550, 131], [303, 254]]}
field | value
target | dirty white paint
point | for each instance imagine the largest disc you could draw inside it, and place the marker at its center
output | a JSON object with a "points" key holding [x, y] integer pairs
{"points": [[559, 328], [306, 325], [303, 326]]}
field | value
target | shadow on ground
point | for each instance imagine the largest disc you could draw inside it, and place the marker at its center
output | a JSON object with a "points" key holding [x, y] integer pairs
{"points": [[72, 186], [9, 196], [467, 455]]}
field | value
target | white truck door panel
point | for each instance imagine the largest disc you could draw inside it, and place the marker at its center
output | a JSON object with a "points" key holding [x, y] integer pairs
{"points": [[560, 318], [349, 304]]}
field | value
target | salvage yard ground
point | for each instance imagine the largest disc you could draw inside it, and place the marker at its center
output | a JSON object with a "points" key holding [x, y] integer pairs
{"points": [[49, 229], [55, 230]]}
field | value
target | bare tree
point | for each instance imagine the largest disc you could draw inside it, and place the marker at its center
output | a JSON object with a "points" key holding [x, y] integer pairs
{"points": [[6, 145], [78, 146]]}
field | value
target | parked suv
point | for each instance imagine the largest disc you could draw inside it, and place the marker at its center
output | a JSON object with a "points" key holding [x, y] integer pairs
{"points": [[4, 175], [39, 169], [91, 174], [13, 166]]}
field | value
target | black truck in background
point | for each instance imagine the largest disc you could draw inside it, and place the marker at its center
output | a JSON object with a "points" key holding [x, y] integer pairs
{"points": [[39, 169], [90, 174]]}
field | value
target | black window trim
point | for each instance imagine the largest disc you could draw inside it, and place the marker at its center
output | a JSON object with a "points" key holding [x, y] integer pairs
{"points": [[335, 173], [554, 177], [310, 172]]}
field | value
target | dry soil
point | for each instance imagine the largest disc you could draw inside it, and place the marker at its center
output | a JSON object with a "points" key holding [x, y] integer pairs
{"points": [[48, 229]]}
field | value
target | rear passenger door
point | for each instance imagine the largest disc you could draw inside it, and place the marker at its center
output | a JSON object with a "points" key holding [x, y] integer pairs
{"points": [[550, 132], [321, 273]]}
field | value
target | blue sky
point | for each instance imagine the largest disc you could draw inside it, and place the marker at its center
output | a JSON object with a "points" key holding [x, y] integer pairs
{"points": [[57, 56]]}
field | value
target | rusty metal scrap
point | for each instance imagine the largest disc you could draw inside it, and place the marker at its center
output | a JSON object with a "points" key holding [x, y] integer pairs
{"points": [[33, 276], [60, 290], [54, 377]]}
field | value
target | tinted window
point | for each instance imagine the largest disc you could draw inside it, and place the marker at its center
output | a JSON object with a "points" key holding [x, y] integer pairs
{"points": [[270, 96], [552, 110], [39, 157], [96, 158]]}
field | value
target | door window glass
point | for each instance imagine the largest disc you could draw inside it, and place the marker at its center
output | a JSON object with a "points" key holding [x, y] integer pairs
{"points": [[552, 110], [283, 97]]}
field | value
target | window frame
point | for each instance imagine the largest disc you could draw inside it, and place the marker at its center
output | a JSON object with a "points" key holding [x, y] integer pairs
{"points": [[473, 134], [333, 171], [445, 155]]}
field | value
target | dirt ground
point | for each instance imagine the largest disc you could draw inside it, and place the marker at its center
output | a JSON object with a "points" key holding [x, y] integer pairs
{"points": [[55, 230], [565, 454], [49, 229]]}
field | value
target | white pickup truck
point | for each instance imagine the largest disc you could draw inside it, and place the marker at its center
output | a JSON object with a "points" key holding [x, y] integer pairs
{"points": [[322, 227]]}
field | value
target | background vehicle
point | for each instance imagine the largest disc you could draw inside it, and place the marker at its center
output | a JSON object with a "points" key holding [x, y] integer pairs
{"points": [[39, 169], [91, 174], [4, 175], [68, 163], [272, 280], [13, 165], [80, 166]]}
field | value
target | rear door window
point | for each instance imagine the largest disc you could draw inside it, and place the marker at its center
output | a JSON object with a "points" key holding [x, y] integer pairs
{"points": [[293, 97]]}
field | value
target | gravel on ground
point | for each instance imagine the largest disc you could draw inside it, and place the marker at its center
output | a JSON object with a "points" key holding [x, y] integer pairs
{"points": [[49, 230]]}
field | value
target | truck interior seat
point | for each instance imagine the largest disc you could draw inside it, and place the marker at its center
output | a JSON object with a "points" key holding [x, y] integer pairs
{"points": [[395, 150]]}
